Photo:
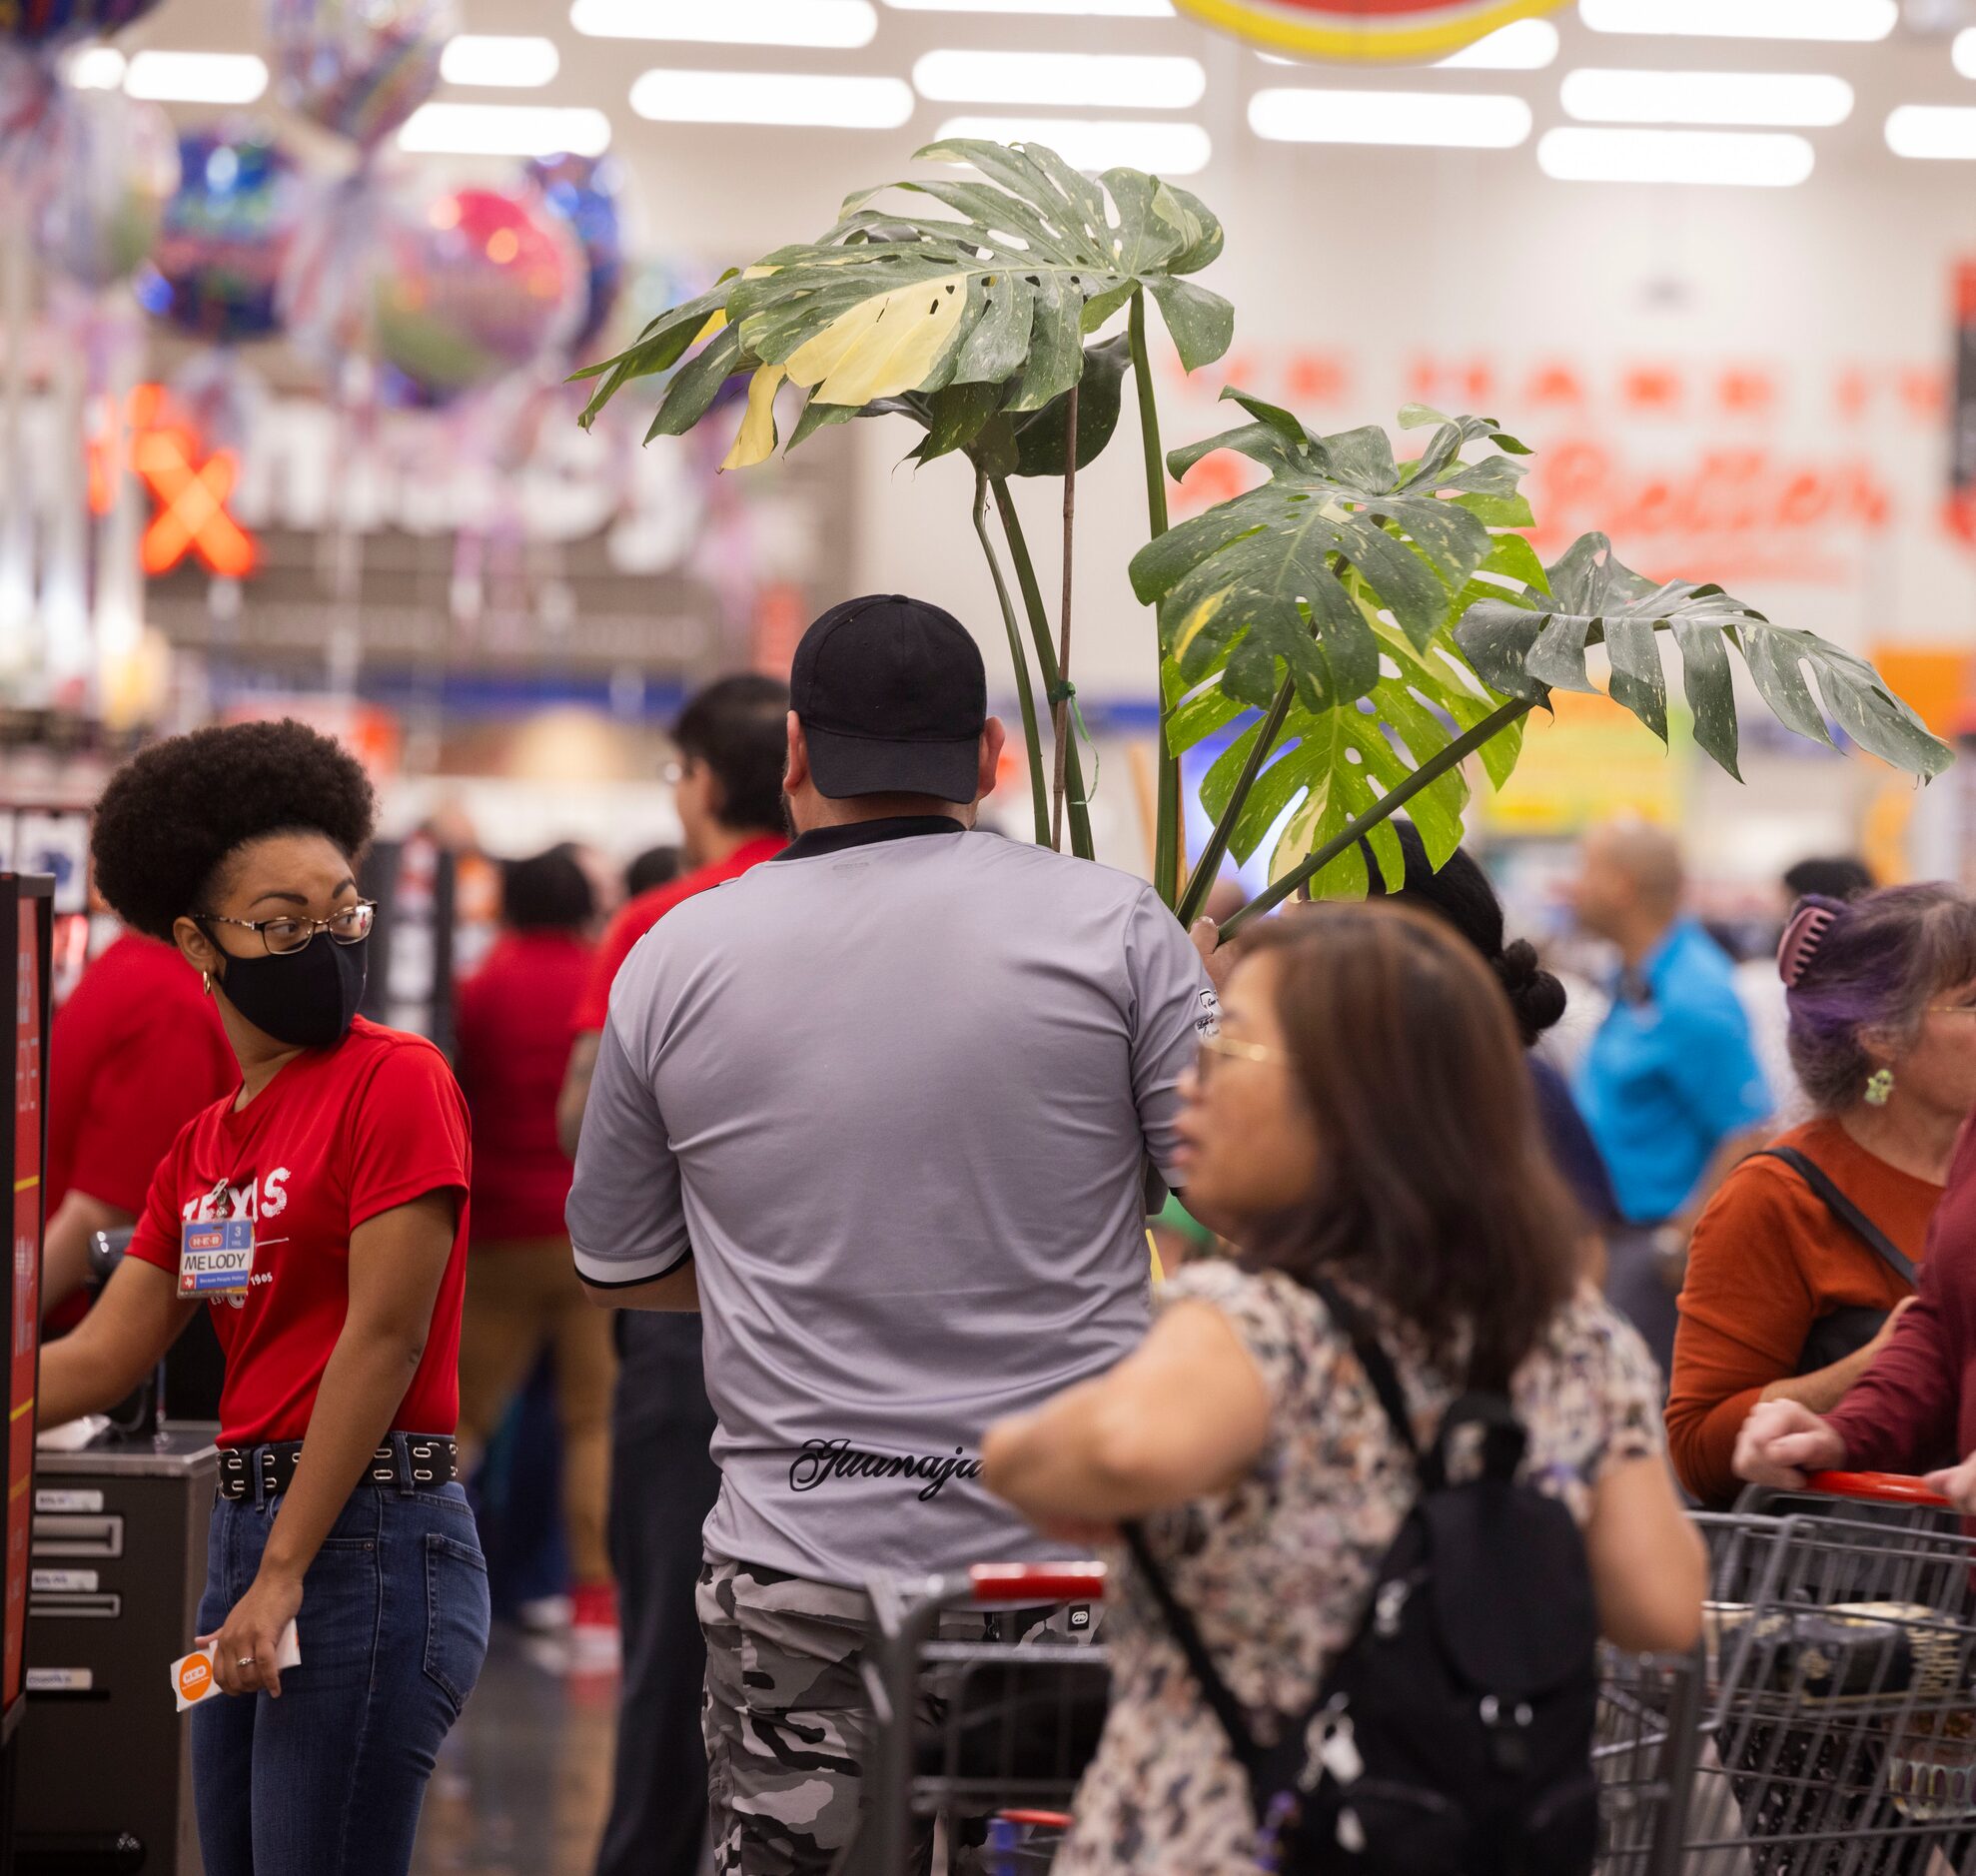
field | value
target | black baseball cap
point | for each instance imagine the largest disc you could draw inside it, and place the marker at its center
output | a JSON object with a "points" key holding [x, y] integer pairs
{"points": [[892, 699]]}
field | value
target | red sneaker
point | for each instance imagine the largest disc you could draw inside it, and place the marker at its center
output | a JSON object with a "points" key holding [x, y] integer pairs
{"points": [[594, 1624]]}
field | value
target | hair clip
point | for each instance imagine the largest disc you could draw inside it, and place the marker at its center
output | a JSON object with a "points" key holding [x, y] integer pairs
{"points": [[1803, 937]]}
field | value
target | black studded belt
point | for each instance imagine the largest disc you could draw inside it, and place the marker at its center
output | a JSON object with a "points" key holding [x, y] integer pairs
{"points": [[410, 1461]]}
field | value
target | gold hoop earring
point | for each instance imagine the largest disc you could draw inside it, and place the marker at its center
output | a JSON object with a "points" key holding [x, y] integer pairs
{"points": [[206, 983]]}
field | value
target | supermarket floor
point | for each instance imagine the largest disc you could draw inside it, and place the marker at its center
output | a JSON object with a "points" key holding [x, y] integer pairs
{"points": [[524, 1780]]}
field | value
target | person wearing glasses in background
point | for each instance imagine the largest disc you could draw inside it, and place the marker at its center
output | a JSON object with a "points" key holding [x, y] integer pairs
{"points": [[320, 1215]]}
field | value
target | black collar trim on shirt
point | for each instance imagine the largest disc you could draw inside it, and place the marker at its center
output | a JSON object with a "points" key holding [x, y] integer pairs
{"points": [[866, 833]]}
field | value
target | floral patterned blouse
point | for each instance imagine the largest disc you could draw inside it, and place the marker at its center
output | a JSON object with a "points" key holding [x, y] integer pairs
{"points": [[1277, 1572]]}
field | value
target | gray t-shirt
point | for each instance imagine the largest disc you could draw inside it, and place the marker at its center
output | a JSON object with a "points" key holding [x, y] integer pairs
{"points": [[893, 1094]]}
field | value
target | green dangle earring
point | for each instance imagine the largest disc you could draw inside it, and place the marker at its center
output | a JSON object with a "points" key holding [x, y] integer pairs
{"points": [[1879, 1087]]}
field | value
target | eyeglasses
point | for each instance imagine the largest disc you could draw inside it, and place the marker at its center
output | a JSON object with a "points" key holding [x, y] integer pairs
{"points": [[1952, 1009], [352, 925], [1226, 1045]]}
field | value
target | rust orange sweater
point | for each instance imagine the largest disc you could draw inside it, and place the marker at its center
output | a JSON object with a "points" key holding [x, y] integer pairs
{"points": [[1768, 1260]]}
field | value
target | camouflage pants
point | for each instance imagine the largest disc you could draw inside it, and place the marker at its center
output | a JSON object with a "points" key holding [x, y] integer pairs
{"points": [[788, 1719]]}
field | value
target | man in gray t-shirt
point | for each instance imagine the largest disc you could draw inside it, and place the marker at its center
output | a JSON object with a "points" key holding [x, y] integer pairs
{"points": [[881, 1109]]}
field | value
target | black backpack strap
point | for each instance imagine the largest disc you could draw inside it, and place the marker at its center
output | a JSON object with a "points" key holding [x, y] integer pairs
{"points": [[1385, 1380], [1214, 1689], [1373, 1357], [1849, 1214]]}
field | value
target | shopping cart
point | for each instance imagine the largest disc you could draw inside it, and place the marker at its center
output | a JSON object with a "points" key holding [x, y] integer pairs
{"points": [[984, 1730], [1840, 1733], [988, 1709]]}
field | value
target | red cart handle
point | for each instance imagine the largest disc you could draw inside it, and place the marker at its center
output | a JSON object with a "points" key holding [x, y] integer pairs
{"points": [[1038, 1582], [1877, 1489]]}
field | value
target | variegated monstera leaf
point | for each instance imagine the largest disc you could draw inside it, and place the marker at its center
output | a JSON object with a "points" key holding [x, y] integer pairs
{"points": [[1340, 577], [974, 315]]}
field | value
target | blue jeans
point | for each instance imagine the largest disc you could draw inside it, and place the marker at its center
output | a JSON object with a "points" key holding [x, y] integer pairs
{"points": [[328, 1779]]}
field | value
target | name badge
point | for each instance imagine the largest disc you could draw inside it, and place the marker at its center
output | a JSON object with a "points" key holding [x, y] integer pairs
{"points": [[216, 1259]]}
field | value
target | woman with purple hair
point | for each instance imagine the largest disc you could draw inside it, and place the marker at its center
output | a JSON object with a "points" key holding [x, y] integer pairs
{"points": [[1806, 1259]]}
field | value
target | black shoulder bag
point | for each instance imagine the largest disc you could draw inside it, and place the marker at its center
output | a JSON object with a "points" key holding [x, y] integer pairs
{"points": [[1840, 1332], [1454, 1731]]}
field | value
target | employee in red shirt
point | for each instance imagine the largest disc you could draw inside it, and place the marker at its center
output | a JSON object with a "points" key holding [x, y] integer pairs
{"points": [[731, 739], [321, 1216], [511, 1030], [135, 1052]]}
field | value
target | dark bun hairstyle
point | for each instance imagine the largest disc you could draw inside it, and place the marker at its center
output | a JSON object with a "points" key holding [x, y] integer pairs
{"points": [[1460, 895], [171, 817]]}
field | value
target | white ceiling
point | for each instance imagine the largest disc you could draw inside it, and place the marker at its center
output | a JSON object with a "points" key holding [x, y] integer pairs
{"points": [[735, 183]]}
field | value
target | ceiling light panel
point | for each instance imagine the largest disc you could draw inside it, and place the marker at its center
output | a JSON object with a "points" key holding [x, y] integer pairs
{"points": [[1855, 21], [196, 77], [824, 101], [445, 128], [518, 61], [1944, 132], [1116, 81], [1751, 159], [1169, 148], [1962, 54], [1521, 46], [1432, 119], [839, 24], [1760, 98], [95, 68], [1078, 9]]}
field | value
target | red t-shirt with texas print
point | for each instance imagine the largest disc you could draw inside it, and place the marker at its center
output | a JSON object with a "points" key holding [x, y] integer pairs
{"points": [[338, 1136]]}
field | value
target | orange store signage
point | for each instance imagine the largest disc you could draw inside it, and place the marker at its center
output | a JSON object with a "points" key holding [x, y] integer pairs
{"points": [[1363, 29], [189, 487]]}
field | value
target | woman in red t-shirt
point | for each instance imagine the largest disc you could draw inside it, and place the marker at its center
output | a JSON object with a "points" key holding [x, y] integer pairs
{"points": [[321, 1216]]}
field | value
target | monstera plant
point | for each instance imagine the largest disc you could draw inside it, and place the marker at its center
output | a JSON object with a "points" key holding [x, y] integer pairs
{"points": [[1377, 622]]}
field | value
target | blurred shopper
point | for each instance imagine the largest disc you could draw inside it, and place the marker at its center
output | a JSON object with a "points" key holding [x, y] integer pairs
{"points": [[511, 1031], [1806, 1258], [882, 1110], [1460, 895], [1761, 991], [656, 867], [133, 1054], [1244, 1430], [1669, 1086], [345, 1153], [729, 783]]}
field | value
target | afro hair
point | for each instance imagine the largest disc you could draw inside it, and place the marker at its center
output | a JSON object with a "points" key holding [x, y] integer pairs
{"points": [[172, 814]]}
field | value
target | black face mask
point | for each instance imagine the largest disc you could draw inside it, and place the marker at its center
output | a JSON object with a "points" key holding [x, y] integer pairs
{"points": [[306, 998]]}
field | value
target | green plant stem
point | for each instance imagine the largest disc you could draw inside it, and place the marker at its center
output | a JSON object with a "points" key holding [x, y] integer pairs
{"points": [[1061, 694], [1046, 659], [1201, 881], [1168, 861], [1025, 694], [1387, 805]]}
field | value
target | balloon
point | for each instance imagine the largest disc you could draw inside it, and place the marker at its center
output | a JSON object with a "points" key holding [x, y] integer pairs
{"points": [[583, 191], [358, 66], [226, 234], [109, 165], [480, 284], [48, 22]]}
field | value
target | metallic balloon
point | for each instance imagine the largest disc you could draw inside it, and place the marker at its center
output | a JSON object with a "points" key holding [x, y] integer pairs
{"points": [[480, 282], [49, 22], [227, 232], [584, 192], [109, 166], [358, 67]]}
